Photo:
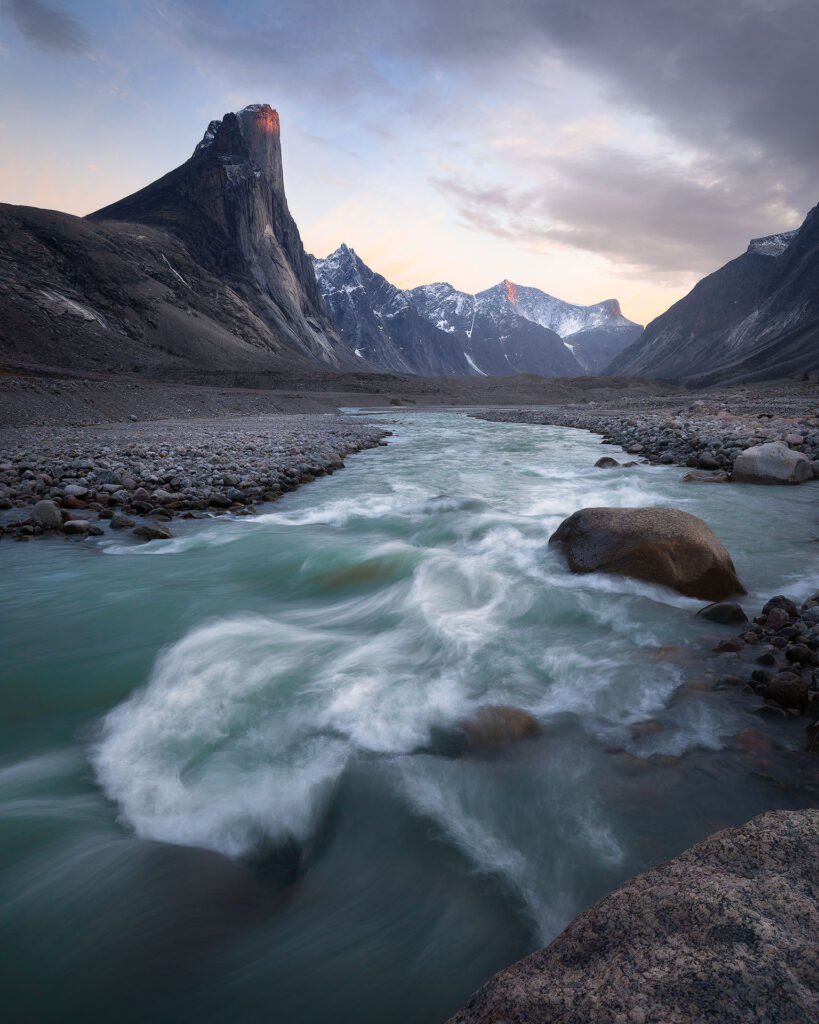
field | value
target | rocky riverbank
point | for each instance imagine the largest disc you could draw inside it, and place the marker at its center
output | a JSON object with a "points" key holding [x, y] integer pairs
{"points": [[80, 482], [774, 656], [706, 433]]}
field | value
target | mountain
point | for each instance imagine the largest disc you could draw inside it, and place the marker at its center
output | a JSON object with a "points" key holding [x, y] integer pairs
{"points": [[435, 330], [227, 205], [497, 340], [200, 274], [381, 324], [594, 334], [756, 318]]}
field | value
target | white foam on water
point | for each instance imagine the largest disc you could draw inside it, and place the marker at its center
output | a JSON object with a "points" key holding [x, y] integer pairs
{"points": [[218, 750]]}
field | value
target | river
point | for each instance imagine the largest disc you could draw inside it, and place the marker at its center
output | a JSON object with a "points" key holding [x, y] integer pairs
{"points": [[226, 785]]}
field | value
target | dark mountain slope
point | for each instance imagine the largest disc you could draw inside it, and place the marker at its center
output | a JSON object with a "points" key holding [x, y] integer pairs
{"points": [[227, 205], [755, 318]]}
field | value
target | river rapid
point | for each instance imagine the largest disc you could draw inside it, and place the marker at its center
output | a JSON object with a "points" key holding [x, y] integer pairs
{"points": [[226, 786]]}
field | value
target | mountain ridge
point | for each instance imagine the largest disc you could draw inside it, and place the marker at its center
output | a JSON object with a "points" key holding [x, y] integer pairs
{"points": [[503, 330], [755, 318]]}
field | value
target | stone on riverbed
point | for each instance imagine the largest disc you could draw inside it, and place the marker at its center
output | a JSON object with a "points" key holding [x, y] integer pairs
{"points": [[656, 545], [47, 515], [706, 476], [725, 932], [498, 725], [153, 531], [723, 612], [606, 462], [771, 463]]}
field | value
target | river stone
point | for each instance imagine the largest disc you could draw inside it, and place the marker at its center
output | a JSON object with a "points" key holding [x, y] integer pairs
{"points": [[771, 463], [76, 526], [788, 691], [606, 462], [47, 515], [657, 545], [724, 612], [706, 476], [498, 725], [726, 932], [153, 531]]}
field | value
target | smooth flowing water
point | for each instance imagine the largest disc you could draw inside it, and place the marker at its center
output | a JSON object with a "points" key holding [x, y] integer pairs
{"points": [[223, 789]]}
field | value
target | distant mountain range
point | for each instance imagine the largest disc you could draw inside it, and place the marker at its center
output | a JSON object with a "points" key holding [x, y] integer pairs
{"points": [[435, 330], [202, 275], [756, 318]]}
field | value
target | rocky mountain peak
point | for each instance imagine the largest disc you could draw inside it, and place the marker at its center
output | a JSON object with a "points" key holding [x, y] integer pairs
{"points": [[250, 138], [227, 204]]}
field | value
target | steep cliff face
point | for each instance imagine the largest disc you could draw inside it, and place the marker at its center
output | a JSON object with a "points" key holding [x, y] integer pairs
{"points": [[227, 205], [755, 318]]}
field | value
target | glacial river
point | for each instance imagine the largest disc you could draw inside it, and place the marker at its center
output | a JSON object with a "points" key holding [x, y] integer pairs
{"points": [[226, 791]]}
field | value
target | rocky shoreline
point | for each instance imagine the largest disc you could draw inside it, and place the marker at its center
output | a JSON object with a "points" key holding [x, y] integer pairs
{"points": [[706, 433], [140, 476], [774, 656]]}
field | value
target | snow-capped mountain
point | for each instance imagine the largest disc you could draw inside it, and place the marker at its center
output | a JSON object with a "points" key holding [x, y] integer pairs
{"points": [[380, 323], [435, 331], [593, 334], [755, 318]]}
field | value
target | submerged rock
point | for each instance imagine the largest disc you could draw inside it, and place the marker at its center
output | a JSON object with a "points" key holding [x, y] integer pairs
{"points": [[725, 932], [772, 463], [724, 612], [606, 462], [657, 545], [498, 725]]}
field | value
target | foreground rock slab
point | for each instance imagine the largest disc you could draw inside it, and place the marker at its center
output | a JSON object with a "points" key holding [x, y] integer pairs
{"points": [[656, 545], [726, 932]]}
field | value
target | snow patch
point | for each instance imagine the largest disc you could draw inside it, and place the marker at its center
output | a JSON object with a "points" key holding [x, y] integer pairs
{"points": [[476, 368], [70, 306], [174, 272]]}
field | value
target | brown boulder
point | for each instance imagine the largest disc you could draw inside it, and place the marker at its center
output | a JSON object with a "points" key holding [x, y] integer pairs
{"points": [[725, 932], [657, 545]]}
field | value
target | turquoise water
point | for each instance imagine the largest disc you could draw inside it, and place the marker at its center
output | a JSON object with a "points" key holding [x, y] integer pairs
{"points": [[223, 791]]}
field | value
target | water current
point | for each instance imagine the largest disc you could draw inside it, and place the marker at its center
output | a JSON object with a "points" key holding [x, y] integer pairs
{"points": [[225, 786]]}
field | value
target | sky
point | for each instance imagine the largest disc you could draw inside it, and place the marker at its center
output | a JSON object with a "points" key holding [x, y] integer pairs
{"points": [[598, 149]]}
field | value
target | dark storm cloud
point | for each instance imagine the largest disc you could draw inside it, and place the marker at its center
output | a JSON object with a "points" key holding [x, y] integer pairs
{"points": [[48, 28], [733, 83], [745, 68]]}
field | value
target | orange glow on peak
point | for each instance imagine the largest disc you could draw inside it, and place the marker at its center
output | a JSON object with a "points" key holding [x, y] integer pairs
{"points": [[511, 290]]}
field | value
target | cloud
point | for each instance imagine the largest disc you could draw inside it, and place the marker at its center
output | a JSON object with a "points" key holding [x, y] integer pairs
{"points": [[48, 28], [658, 216]]}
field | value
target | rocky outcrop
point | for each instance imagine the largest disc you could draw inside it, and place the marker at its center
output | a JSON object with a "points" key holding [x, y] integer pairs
{"points": [[657, 545], [771, 463], [725, 933], [227, 205], [756, 318]]}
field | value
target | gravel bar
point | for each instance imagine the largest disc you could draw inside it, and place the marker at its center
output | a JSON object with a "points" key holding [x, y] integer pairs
{"points": [[138, 476]]}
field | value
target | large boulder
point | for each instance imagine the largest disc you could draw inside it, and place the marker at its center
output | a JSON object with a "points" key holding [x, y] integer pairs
{"points": [[771, 463], [658, 545], [726, 932]]}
